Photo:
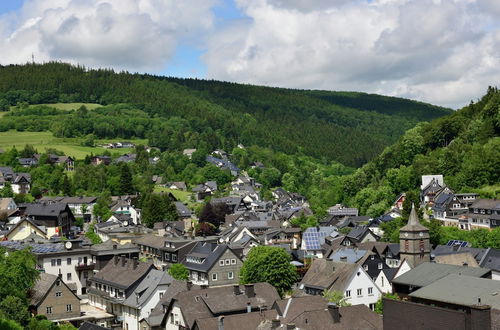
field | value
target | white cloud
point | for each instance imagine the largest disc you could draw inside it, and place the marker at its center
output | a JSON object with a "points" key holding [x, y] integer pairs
{"points": [[138, 35], [441, 51]]}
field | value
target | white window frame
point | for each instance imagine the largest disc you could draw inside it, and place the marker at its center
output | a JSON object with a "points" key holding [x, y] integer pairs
{"points": [[58, 294], [228, 262], [69, 308], [49, 310], [230, 275], [348, 293], [233, 261], [221, 262], [359, 292], [214, 276], [370, 291]]}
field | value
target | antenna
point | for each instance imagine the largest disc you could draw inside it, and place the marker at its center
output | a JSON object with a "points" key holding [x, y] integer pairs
{"points": [[33, 58]]}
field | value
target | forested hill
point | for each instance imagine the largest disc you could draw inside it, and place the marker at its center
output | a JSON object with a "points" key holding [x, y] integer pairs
{"points": [[463, 146], [173, 114]]}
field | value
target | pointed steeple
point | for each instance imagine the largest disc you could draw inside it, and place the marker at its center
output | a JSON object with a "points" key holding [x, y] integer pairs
{"points": [[413, 222]]}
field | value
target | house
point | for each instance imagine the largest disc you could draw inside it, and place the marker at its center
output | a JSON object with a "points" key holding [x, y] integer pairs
{"points": [[57, 218], [70, 260], [309, 313], [188, 152], [430, 187], [98, 160], [27, 162], [51, 297], [115, 283], [81, 206], [371, 261], [182, 210], [177, 185], [313, 238], [484, 213], [349, 279], [24, 229], [290, 236], [342, 211], [205, 189], [427, 273], [188, 307], [213, 264], [359, 235], [398, 203], [67, 162], [257, 165], [126, 158], [452, 302], [144, 298], [125, 207], [102, 254], [7, 204], [223, 164], [21, 183]]}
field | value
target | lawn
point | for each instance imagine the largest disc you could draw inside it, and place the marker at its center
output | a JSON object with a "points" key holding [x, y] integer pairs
{"points": [[70, 146], [71, 106], [183, 196]]}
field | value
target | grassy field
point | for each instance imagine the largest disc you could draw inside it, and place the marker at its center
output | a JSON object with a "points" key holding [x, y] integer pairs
{"points": [[72, 106], [70, 146], [183, 196]]}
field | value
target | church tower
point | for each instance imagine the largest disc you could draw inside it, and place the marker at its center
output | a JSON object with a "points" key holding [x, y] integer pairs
{"points": [[414, 243]]}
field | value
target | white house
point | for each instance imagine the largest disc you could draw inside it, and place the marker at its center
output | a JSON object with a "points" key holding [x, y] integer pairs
{"points": [[350, 279]]}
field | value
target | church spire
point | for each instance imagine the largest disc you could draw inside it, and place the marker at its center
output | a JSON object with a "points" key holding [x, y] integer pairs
{"points": [[413, 220]]}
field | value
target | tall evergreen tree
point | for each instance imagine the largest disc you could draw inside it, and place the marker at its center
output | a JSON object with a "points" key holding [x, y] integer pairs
{"points": [[126, 184]]}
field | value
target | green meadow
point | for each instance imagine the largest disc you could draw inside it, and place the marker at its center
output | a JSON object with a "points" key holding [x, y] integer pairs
{"points": [[70, 146]]}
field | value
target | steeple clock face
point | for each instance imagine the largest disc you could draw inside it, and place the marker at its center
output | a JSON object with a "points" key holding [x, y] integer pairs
{"points": [[421, 234], [406, 234]]}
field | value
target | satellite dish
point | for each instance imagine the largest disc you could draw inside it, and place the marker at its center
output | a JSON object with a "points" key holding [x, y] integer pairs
{"points": [[68, 245], [221, 240], [125, 223]]}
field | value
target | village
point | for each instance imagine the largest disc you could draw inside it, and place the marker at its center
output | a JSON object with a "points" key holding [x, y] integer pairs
{"points": [[344, 275]]}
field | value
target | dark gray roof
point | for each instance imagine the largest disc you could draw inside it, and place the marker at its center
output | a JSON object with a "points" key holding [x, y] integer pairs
{"points": [[351, 255], [122, 276], [462, 290], [41, 209], [491, 259], [326, 274], [182, 209], [91, 326], [41, 287], [427, 273], [147, 287], [210, 252]]}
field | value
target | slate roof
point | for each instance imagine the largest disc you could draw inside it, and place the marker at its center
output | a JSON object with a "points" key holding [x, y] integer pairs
{"points": [[327, 274], [41, 287], [41, 209], [462, 290], [359, 232], [211, 252], [483, 203], [491, 259], [122, 276], [205, 303], [91, 326], [151, 240], [459, 259], [147, 287], [351, 255], [182, 209], [427, 273], [413, 223]]}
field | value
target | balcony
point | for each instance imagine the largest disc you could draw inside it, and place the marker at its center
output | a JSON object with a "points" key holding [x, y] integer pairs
{"points": [[85, 266]]}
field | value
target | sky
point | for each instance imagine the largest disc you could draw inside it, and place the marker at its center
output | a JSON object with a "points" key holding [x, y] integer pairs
{"points": [[446, 52]]}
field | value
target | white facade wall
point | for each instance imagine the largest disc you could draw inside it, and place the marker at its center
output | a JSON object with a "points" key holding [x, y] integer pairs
{"points": [[362, 281], [64, 268], [174, 318], [132, 316], [383, 283]]}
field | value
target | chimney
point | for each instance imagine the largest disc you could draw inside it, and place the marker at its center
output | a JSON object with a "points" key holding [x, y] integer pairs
{"points": [[124, 260], [334, 312], [290, 326], [221, 322], [115, 259], [275, 324], [189, 285], [249, 290], [136, 263], [236, 289], [249, 307]]}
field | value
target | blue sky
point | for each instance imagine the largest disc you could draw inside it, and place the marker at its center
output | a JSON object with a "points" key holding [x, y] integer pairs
{"points": [[442, 52]]}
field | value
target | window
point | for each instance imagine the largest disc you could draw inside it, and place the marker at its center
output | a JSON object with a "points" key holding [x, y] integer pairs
{"points": [[228, 262], [174, 257], [69, 308], [379, 265], [167, 256], [58, 283], [221, 262], [59, 262], [49, 310], [370, 291], [233, 261], [359, 292], [372, 257], [85, 274], [348, 293], [230, 275], [214, 277], [171, 318], [68, 261], [365, 267], [161, 295], [58, 294], [382, 280], [68, 276], [53, 262]]}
